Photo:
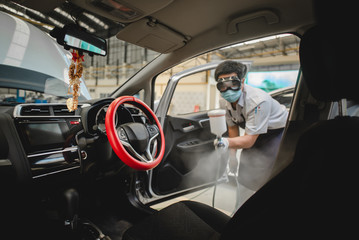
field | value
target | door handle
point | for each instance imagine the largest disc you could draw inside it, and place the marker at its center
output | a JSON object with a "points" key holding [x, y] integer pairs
{"points": [[188, 128]]}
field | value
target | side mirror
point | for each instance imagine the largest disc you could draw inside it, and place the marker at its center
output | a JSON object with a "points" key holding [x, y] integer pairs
{"points": [[76, 37]]}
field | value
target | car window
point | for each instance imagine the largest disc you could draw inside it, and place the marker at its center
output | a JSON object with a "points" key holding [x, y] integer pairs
{"points": [[140, 95], [193, 94], [352, 109], [273, 65], [285, 99], [284, 96]]}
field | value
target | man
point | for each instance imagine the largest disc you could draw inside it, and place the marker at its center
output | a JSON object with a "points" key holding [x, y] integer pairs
{"points": [[263, 119]]}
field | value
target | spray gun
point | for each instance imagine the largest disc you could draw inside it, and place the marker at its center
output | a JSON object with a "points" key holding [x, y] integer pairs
{"points": [[218, 126]]}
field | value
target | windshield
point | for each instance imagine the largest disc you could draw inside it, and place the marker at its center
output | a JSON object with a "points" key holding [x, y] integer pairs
{"points": [[103, 75], [32, 61], [33, 67]]}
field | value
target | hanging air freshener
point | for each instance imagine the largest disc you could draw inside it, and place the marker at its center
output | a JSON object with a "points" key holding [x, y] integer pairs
{"points": [[75, 73]]}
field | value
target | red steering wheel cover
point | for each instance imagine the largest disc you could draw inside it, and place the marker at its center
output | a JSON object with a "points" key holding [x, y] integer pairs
{"points": [[114, 140]]}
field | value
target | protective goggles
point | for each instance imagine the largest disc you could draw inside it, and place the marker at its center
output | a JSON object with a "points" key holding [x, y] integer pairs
{"points": [[233, 83]]}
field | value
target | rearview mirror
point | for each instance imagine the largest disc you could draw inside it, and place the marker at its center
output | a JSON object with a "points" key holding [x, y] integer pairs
{"points": [[75, 37]]}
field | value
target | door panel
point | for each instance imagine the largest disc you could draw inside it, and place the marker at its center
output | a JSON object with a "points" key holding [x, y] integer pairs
{"points": [[190, 160]]}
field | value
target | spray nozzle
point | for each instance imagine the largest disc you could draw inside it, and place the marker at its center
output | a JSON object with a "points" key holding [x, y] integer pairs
{"points": [[220, 143]]}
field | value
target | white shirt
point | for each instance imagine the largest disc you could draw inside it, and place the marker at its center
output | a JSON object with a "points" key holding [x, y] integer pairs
{"points": [[260, 111]]}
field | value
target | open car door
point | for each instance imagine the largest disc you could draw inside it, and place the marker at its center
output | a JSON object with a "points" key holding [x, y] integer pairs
{"points": [[190, 161]]}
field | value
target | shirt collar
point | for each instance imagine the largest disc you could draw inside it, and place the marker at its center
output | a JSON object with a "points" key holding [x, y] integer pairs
{"points": [[241, 98]]}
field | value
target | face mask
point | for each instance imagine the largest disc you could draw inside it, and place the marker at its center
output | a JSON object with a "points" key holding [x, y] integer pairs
{"points": [[231, 96]]}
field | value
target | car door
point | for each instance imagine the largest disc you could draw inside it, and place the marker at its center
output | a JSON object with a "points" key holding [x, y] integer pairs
{"points": [[191, 160]]}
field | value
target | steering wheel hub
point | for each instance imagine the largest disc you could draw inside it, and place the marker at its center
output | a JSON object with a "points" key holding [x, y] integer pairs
{"points": [[137, 136]]}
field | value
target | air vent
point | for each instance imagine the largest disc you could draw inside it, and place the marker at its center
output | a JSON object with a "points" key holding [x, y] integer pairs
{"points": [[43, 110], [62, 111], [34, 110]]}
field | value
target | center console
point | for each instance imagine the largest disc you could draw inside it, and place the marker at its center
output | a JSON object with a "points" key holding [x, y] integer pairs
{"points": [[49, 139]]}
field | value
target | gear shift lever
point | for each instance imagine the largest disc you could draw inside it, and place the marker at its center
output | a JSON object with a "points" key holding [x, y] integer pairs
{"points": [[71, 197], [81, 227]]}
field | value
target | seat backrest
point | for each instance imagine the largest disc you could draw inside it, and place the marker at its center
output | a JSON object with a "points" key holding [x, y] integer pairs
{"points": [[316, 195]]}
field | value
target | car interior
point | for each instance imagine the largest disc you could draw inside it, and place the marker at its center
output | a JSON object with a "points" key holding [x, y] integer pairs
{"points": [[95, 172]]}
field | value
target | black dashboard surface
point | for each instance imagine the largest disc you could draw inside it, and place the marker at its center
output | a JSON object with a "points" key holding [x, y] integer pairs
{"points": [[42, 140]]}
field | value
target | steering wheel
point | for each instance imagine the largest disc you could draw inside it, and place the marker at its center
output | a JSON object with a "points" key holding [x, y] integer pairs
{"points": [[145, 142]]}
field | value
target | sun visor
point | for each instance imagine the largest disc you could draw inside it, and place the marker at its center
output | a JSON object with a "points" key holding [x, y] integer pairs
{"points": [[152, 35]]}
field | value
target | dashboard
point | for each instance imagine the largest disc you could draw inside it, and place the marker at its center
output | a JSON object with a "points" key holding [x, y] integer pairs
{"points": [[51, 141]]}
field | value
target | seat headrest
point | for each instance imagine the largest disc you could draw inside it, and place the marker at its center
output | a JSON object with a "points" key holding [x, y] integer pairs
{"points": [[327, 66], [328, 52]]}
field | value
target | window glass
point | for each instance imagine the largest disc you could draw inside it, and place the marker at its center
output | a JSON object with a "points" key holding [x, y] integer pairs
{"points": [[140, 95]]}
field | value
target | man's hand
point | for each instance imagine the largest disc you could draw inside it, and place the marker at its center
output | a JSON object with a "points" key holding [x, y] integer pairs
{"points": [[221, 144]]}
